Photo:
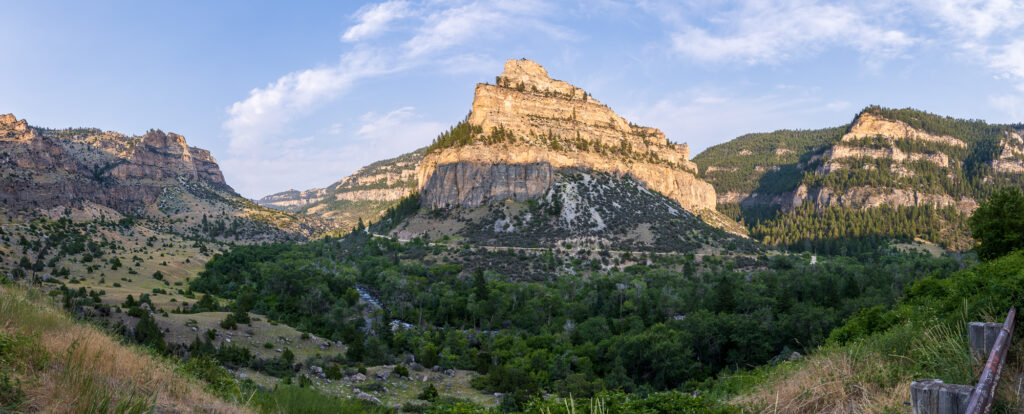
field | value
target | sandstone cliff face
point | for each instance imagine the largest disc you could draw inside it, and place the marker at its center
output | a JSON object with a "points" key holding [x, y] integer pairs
{"points": [[67, 167], [1011, 155], [869, 125], [552, 125], [868, 197]]}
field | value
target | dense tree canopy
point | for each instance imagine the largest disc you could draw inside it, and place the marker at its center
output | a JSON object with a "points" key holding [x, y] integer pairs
{"points": [[998, 224]]}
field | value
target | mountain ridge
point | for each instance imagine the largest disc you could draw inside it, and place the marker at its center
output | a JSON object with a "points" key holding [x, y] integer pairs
{"points": [[882, 161], [156, 175]]}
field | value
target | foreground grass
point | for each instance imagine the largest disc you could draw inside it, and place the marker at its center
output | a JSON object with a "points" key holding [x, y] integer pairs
{"points": [[52, 363], [868, 364]]}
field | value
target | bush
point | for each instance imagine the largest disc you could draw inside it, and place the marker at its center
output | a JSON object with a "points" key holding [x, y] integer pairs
{"points": [[292, 399], [219, 379], [401, 371], [11, 396], [429, 393], [333, 372], [229, 322]]}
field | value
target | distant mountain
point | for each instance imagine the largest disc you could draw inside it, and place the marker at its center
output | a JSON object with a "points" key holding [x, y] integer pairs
{"points": [[526, 138], [366, 194], [540, 164], [156, 176], [890, 173], [527, 125]]}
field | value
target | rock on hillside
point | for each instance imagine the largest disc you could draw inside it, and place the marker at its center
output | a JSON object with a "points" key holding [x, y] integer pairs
{"points": [[528, 125], [580, 208]]}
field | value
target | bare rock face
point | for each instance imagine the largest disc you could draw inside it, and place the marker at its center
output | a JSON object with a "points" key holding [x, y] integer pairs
{"points": [[475, 183], [869, 125], [1011, 156], [548, 125], [46, 168], [161, 156], [14, 130]]}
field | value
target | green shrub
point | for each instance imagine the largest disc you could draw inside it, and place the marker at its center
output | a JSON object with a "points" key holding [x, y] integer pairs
{"points": [[401, 371], [429, 393], [293, 399], [218, 379]]}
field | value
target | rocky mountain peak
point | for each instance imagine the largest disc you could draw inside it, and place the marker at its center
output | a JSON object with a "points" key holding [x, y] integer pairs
{"points": [[168, 143], [13, 129], [532, 76], [527, 125]]}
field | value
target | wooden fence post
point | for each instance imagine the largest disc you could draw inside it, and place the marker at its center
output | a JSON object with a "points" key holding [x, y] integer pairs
{"points": [[932, 396]]}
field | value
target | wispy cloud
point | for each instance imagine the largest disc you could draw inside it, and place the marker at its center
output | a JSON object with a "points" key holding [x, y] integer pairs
{"points": [[449, 27], [374, 19], [977, 19], [770, 32], [262, 115], [257, 126]]}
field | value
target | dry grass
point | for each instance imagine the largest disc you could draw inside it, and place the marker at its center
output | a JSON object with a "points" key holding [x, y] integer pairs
{"points": [[873, 375], [88, 371], [829, 382]]}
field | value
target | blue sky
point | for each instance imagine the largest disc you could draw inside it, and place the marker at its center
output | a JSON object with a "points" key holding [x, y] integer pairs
{"points": [[300, 94]]}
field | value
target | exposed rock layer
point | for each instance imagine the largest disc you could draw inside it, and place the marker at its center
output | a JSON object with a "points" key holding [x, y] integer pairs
{"points": [[58, 168], [537, 111]]}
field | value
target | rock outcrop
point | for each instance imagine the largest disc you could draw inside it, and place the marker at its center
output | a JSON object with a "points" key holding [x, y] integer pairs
{"points": [[47, 168], [530, 125], [869, 125], [162, 156]]}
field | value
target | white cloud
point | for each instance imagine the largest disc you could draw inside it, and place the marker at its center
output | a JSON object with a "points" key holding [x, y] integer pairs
{"points": [[401, 126], [769, 32], [450, 27], [307, 163], [976, 18], [374, 19], [1009, 61], [262, 116]]}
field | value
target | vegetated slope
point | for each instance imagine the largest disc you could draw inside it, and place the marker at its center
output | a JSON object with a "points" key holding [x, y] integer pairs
{"points": [[156, 176], [889, 174], [582, 209], [531, 321], [51, 363], [365, 195], [869, 363]]}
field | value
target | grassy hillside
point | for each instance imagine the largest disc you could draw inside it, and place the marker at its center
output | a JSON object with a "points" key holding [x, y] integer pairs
{"points": [[868, 364], [50, 362]]}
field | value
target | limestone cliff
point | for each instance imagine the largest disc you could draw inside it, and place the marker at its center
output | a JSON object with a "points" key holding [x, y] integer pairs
{"points": [[66, 167], [528, 125], [366, 194]]}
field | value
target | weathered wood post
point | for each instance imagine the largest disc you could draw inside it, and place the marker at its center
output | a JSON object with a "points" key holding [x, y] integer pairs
{"points": [[932, 396], [982, 337], [984, 392]]}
